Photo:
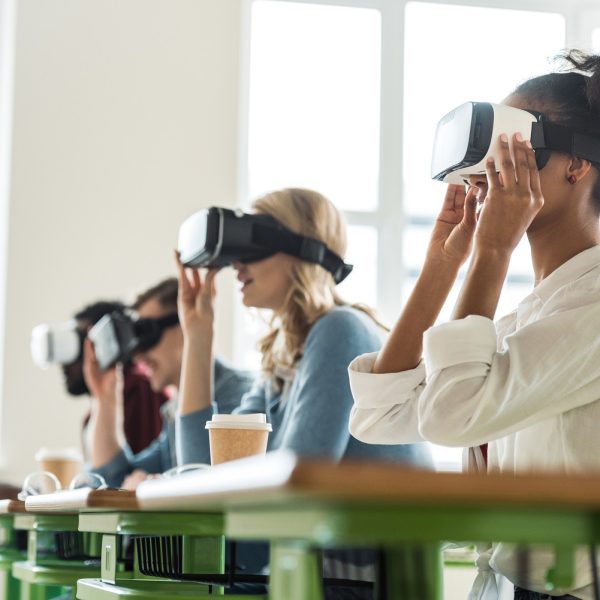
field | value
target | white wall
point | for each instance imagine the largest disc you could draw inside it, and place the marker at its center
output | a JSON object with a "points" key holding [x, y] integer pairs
{"points": [[125, 121]]}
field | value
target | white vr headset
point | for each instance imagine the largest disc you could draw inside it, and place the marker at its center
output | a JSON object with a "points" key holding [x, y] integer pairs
{"points": [[468, 135], [56, 344]]}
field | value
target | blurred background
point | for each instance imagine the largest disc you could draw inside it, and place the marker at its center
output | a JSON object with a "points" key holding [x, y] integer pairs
{"points": [[119, 118]]}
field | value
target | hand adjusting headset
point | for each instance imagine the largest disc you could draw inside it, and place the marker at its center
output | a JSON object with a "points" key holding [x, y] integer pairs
{"points": [[468, 135]]}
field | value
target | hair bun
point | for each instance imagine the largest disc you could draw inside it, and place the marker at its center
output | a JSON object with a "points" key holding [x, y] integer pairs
{"points": [[587, 65]]}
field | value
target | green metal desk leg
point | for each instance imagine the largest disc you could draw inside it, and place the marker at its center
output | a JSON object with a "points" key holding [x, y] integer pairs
{"points": [[413, 573], [296, 572], [10, 585], [30, 591], [9, 554], [562, 574]]}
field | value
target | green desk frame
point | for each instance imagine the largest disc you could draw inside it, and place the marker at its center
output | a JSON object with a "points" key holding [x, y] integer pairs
{"points": [[410, 536], [203, 551], [302, 507], [9, 554], [44, 575]]}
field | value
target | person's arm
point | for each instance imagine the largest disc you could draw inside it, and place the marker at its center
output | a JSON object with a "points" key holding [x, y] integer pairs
{"points": [[474, 393], [106, 387], [153, 459], [192, 440], [477, 393], [514, 198], [255, 400], [449, 246], [230, 386], [196, 315], [320, 399], [386, 386], [385, 407]]}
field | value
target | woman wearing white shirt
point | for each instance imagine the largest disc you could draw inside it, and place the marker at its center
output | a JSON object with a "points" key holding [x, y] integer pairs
{"points": [[529, 384]]}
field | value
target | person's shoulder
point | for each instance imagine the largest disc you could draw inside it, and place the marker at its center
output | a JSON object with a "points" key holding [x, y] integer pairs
{"points": [[345, 323], [346, 317]]}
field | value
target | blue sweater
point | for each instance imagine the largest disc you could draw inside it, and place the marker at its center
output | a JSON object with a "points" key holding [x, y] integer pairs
{"points": [[230, 385], [310, 417]]}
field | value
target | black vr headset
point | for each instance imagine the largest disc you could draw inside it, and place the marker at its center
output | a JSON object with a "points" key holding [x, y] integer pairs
{"points": [[118, 336], [468, 135], [216, 237]]}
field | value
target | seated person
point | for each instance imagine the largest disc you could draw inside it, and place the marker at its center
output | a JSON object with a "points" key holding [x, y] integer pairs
{"points": [[162, 364], [314, 334], [528, 384], [142, 421]]}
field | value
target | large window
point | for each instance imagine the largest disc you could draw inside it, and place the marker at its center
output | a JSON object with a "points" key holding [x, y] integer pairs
{"points": [[314, 114], [344, 97], [473, 61]]}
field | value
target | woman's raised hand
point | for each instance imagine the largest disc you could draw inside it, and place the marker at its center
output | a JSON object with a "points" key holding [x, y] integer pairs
{"points": [[195, 300], [513, 200], [452, 235]]}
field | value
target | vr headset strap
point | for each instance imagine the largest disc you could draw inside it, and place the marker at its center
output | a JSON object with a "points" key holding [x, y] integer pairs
{"points": [[280, 239], [167, 320], [551, 136]]}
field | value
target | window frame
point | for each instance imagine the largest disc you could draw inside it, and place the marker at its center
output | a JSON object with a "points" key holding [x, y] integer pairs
{"points": [[389, 218]]}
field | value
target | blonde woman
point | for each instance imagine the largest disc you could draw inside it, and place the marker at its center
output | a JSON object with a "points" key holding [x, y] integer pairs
{"points": [[314, 336]]}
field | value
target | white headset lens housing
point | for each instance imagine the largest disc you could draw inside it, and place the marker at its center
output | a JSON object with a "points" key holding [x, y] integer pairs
{"points": [[52, 344], [468, 135], [106, 342], [193, 235]]}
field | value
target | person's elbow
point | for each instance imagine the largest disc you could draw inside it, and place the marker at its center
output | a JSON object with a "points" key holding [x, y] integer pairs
{"points": [[446, 425], [378, 426], [362, 427], [442, 433]]}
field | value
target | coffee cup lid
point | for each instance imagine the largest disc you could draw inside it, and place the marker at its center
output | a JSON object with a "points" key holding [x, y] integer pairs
{"points": [[71, 453], [251, 421]]}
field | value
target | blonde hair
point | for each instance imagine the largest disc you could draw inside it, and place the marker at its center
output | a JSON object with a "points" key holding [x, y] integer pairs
{"points": [[313, 291]]}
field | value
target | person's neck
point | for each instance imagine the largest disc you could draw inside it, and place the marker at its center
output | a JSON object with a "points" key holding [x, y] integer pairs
{"points": [[557, 241]]}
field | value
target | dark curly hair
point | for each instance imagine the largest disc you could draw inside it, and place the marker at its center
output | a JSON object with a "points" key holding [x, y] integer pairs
{"points": [[570, 97]]}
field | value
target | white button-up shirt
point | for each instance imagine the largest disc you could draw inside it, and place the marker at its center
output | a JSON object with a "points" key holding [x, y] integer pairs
{"points": [[528, 385]]}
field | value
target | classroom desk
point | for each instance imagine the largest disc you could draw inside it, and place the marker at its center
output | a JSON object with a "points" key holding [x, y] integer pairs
{"points": [[83, 499], [57, 555], [302, 505], [11, 548], [197, 539]]}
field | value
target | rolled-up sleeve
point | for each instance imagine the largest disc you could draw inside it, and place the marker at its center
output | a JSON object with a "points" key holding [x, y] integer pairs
{"points": [[477, 393], [472, 339], [385, 407]]}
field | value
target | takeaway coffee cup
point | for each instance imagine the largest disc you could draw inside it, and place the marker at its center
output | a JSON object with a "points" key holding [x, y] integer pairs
{"points": [[237, 436], [65, 463]]}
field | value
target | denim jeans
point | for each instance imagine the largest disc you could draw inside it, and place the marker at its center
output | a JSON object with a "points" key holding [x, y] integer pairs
{"points": [[521, 594]]}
